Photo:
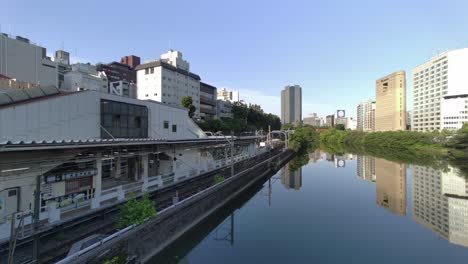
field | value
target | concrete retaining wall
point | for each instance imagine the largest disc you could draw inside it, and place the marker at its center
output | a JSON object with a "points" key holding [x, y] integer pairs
{"points": [[148, 239]]}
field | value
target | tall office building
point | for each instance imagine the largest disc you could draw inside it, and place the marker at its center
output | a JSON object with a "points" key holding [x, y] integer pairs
{"points": [[390, 102], [443, 75], [291, 104], [366, 116], [391, 186]]}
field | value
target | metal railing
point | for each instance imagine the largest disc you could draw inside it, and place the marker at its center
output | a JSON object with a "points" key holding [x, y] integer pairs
{"points": [[124, 231]]}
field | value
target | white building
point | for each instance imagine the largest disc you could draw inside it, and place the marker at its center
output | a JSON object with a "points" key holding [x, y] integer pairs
{"points": [[313, 120], [443, 75], [227, 95], [168, 80], [351, 123], [454, 111], [224, 109], [366, 116], [85, 77], [341, 121], [93, 116], [26, 62]]}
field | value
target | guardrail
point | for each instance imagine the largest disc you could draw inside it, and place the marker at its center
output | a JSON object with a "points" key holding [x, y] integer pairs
{"points": [[76, 255]]}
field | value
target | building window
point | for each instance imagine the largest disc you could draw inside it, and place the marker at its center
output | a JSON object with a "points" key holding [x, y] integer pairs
{"points": [[123, 120], [166, 124], [152, 69], [147, 71], [116, 121], [138, 122], [174, 128]]}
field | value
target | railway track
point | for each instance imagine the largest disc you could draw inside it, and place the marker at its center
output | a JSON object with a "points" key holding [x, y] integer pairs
{"points": [[56, 242]]}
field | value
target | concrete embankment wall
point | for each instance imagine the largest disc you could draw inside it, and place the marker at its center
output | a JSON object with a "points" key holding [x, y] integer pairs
{"points": [[150, 238]]}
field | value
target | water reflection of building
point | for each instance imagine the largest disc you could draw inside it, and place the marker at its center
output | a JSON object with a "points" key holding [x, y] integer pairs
{"points": [[340, 160], [440, 202], [291, 179], [315, 156], [366, 168], [391, 186]]}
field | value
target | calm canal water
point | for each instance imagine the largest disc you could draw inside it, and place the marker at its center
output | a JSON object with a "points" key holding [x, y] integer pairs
{"points": [[337, 209]]}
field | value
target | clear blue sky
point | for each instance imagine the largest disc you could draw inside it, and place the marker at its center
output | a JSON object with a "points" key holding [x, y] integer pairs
{"points": [[334, 49]]}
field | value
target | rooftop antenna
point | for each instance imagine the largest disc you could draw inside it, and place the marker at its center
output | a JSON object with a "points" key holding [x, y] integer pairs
{"points": [[76, 55], [62, 46]]}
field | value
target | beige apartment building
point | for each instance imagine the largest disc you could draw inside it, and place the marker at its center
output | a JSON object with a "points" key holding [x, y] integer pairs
{"points": [[390, 99]]}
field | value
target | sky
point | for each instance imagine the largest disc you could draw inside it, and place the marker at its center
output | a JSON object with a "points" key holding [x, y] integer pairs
{"points": [[335, 50]]}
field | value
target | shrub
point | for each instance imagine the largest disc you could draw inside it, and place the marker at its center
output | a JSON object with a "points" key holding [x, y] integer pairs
{"points": [[218, 178], [136, 211]]}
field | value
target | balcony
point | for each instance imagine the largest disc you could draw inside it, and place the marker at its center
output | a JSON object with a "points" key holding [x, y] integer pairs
{"points": [[207, 100]]}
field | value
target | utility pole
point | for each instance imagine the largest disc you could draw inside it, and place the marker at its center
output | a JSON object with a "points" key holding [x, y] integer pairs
{"points": [[11, 253], [37, 211], [287, 139], [269, 135]]}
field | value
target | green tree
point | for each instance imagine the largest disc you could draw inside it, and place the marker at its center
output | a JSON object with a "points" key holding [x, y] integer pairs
{"points": [[274, 121], [240, 111], [187, 102], [136, 211], [287, 126], [121, 258], [245, 118], [340, 127], [303, 139]]}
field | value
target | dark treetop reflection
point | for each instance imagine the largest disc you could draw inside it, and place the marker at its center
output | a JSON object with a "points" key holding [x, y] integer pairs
{"points": [[338, 209]]}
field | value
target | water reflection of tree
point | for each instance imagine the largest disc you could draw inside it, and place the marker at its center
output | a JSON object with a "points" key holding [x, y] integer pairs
{"points": [[397, 155], [301, 159]]}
